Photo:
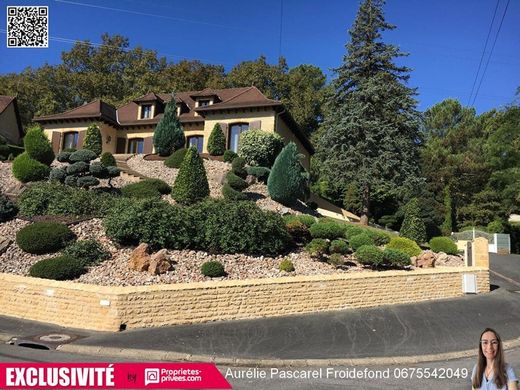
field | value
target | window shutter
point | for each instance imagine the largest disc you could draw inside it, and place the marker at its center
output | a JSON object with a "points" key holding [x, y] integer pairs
{"points": [[225, 130], [81, 139], [56, 141], [147, 147], [257, 125]]}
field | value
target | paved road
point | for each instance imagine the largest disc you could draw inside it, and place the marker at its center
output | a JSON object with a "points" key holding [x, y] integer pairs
{"points": [[505, 272]]}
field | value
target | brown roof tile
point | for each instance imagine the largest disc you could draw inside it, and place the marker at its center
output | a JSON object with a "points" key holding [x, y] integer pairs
{"points": [[4, 102], [97, 109]]}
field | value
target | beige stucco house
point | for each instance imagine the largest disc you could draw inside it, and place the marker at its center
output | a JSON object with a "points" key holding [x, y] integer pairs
{"points": [[10, 123], [129, 128]]}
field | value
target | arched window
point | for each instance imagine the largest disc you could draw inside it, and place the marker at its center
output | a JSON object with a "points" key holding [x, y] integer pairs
{"points": [[136, 145], [196, 140], [70, 140], [234, 134]]}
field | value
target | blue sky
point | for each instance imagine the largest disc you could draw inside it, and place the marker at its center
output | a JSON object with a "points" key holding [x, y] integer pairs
{"points": [[445, 38]]}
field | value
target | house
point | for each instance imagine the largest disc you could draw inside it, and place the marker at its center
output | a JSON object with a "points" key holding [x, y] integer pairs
{"points": [[10, 123], [129, 128]]}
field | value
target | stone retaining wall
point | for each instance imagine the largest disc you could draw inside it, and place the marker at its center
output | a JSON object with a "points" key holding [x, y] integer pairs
{"points": [[107, 308]]}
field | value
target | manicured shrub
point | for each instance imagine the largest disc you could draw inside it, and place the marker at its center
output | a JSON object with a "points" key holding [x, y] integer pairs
{"points": [[380, 238], [338, 246], [4, 152], [44, 237], [169, 135], [288, 180], [153, 221], [213, 269], [88, 252], [175, 160], [216, 141], [232, 194], [351, 231], [404, 245], [146, 189], [298, 231], [260, 148], [82, 155], [286, 265], [307, 220], [77, 168], [229, 156], [64, 157], [360, 240], [395, 258], [191, 184], [336, 259], [87, 182], [58, 268], [108, 160], [93, 140], [98, 170], [261, 173], [37, 146], [317, 247], [369, 255], [237, 227], [7, 208], [330, 230], [413, 226], [237, 167], [71, 181], [443, 244], [235, 182], [58, 174], [26, 169]]}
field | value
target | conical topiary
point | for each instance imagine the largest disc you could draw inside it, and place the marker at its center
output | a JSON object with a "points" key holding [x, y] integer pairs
{"points": [[169, 135], [288, 180], [191, 184], [93, 139], [413, 226], [217, 141]]}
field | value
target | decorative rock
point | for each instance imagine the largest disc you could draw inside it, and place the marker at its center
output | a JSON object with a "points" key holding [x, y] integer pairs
{"points": [[140, 259], [442, 257], [159, 263], [425, 260], [250, 180], [4, 244]]}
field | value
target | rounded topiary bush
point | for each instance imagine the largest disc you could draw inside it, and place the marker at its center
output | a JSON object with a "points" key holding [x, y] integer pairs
{"points": [[88, 252], [260, 148], [286, 265], [369, 255], [175, 160], [298, 230], [216, 141], [360, 240], [27, 169], [261, 173], [213, 269], [235, 181], [108, 160], [317, 247], [395, 257], [229, 156], [330, 230], [336, 259], [230, 193], [64, 157], [380, 238], [237, 167], [58, 174], [7, 208], [443, 244], [58, 268], [38, 147], [147, 188], [338, 246], [82, 155], [44, 237], [87, 182], [307, 220], [77, 168], [404, 245]]}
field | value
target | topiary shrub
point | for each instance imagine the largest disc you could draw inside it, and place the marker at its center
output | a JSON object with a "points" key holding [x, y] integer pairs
{"points": [[317, 247], [37, 146], [413, 226], [338, 246], [108, 160], [404, 245], [298, 231], [261, 173], [58, 174], [307, 220], [82, 155], [64, 157], [77, 168], [351, 231], [7, 209], [286, 265], [169, 135], [237, 167], [87, 252], [330, 230], [359, 240], [443, 244], [235, 182], [191, 184], [395, 258], [175, 160], [336, 260], [369, 255], [288, 181], [229, 156], [93, 140], [147, 188], [58, 268], [232, 194], [260, 148], [380, 238], [213, 269], [216, 141], [26, 169], [87, 181], [44, 237]]}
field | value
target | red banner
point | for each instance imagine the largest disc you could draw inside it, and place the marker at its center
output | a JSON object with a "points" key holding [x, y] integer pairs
{"points": [[111, 376]]}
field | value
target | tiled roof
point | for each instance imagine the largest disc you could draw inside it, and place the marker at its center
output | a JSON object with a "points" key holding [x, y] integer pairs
{"points": [[97, 109], [4, 102]]}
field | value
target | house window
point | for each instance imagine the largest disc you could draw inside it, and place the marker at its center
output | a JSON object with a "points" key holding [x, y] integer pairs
{"points": [[197, 141], [146, 111], [234, 135], [70, 140], [204, 103], [136, 145]]}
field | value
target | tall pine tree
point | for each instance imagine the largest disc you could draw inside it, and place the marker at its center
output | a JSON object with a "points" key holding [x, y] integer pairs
{"points": [[169, 135], [371, 133]]}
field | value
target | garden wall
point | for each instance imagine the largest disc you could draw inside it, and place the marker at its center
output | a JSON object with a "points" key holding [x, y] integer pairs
{"points": [[107, 308]]}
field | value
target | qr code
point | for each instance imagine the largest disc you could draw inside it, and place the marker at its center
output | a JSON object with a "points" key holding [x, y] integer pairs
{"points": [[27, 26]]}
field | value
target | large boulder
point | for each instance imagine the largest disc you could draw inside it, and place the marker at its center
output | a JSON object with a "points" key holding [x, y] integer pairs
{"points": [[426, 259], [140, 259], [160, 263]]}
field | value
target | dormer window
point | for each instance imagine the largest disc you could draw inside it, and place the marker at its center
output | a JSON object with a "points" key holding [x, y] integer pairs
{"points": [[146, 111], [204, 102]]}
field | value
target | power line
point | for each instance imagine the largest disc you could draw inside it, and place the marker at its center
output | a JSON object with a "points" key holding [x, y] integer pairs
{"points": [[491, 53], [483, 52]]}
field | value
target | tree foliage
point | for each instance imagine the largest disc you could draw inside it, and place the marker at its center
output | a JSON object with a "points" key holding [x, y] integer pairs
{"points": [[191, 184], [413, 226], [216, 141], [169, 135], [93, 140]]}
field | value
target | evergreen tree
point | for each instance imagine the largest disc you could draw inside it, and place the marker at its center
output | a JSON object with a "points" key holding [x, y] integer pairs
{"points": [[288, 180], [93, 140], [413, 226], [447, 225], [370, 135], [169, 135], [217, 141], [191, 184]]}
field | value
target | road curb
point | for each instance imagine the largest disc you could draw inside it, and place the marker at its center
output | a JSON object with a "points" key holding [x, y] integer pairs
{"points": [[158, 355]]}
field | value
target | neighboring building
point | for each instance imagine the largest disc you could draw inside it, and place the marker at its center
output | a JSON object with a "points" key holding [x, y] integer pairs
{"points": [[10, 123], [129, 129]]}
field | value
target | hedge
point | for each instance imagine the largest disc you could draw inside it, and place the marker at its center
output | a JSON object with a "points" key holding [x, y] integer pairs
{"points": [[443, 244], [58, 268], [404, 245], [44, 237]]}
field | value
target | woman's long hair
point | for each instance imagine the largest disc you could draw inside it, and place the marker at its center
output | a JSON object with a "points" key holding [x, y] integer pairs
{"points": [[499, 369]]}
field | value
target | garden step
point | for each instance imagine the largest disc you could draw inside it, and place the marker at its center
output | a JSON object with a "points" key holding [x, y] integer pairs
{"points": [[130, 173]]}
